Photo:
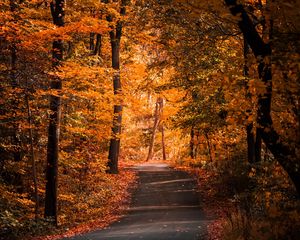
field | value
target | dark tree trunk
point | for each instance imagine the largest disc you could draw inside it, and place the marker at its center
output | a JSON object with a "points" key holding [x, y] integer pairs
{"points": [[249, 127], [285, 155], [97, 49], [250, 143], [257, 147], [92, 41], [34, 174], [57, 11], [15, 136], [192, 143], [163, 142], [209, 147], [114, 147], [197, 147], [14, 83], [253, 140]]}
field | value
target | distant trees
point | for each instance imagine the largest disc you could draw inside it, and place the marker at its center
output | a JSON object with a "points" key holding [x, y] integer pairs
{"points": [[206, 47], [158, 124]]}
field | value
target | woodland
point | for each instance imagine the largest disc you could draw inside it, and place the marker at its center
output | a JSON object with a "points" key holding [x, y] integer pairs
{"points": [[89, 87]]}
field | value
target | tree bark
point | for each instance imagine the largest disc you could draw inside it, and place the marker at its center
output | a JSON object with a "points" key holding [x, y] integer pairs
{"points": [[192, 143], [155, 126], [253, 135], [114, 147], [92, 41], [163, 144], [249, 126], [34, 175], [209, 147], [14, 84], [284, 154], [57, 11], [257, 146], [97, 49]]}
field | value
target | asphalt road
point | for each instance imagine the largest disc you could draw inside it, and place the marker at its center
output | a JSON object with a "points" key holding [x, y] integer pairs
{"points": [[165, 206]]}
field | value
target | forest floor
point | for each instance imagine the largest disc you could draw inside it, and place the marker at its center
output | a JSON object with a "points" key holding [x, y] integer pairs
{"points": [[165, 206], [124, 184]]}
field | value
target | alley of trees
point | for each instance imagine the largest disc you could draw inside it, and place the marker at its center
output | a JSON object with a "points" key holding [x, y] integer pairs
{"points": [[88, 87]]}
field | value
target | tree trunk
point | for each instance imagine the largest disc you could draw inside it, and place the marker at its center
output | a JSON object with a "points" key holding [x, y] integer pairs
{"points": [[285, 155], [192, 143], [154, 129], [250, 143], [253, 141], [197, 147], [14, 84], [34, 175], [163, 142], [57, 11], [209, 147], [114, 147], [257, 147], [97, 49], [92, 41], [249, 127]]}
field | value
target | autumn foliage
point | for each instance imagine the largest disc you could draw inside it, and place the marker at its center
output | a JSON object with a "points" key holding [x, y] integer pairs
{"points": [[226, 76]]}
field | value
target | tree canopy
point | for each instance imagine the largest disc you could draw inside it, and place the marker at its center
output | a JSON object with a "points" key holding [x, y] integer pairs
{"points": [[90, 86]]}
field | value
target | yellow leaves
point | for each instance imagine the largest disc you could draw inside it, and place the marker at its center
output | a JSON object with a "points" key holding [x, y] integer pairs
{"points": [[71, 198], [87, 25], [252, 172], [25, 202]]}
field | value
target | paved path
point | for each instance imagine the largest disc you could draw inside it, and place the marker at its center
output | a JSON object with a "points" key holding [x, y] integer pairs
{"points": [[165, 206]]}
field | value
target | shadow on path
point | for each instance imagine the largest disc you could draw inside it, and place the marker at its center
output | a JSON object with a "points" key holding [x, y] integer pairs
{"points": [[165, 206]]}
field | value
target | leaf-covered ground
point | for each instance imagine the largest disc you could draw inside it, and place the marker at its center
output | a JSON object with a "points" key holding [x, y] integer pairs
{"points": [[271, 212], [115, 207]]}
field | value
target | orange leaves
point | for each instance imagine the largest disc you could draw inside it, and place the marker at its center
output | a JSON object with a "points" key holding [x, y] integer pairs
{"points": [[257, 87]]}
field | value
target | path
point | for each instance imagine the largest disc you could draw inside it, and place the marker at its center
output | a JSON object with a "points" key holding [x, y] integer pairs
{"points": [[165, 206]]}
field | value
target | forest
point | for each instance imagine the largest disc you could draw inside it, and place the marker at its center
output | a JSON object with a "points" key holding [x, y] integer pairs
{"points": [[90, 88]]}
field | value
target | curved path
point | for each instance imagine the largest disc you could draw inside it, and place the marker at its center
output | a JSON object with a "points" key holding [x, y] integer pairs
{"points": [[165, 206]]}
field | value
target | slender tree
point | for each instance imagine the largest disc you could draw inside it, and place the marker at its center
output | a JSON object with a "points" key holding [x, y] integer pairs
{"points": [[163, 142], [14, 83], [58, 13], [192, 143], [157, 116], [34, 172]]}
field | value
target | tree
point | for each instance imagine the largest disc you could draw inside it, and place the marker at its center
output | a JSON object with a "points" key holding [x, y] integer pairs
{"points": [[285, 155], [157, 120], [253, 134], [58, 14], [115, 40]]}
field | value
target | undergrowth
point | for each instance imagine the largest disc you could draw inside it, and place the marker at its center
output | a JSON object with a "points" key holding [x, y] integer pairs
{"points": [[83, 205], [247, 201]]}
